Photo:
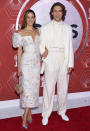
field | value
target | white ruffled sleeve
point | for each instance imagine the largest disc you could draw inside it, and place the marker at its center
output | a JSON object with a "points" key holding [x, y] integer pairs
{"points": [[16, 40]]}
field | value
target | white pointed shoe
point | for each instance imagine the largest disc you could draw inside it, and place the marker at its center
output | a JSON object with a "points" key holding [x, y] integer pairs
{"points": [[45, 121], [64, 117]]}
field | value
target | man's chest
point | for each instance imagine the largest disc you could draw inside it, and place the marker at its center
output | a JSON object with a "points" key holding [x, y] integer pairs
{"points": [[56, 34]]}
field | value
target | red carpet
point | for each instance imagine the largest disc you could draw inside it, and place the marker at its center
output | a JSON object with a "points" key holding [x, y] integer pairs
{"points": [[79, 121]]}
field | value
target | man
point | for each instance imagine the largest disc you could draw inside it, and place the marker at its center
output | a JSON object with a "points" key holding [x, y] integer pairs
{"points": [[57, 50]]}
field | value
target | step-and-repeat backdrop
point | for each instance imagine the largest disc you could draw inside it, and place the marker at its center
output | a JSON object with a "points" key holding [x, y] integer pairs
{"points": [[11, 15]]}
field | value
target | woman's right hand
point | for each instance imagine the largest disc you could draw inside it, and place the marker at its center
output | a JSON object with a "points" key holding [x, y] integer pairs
{"points": [[45, 53], [19, 73]]}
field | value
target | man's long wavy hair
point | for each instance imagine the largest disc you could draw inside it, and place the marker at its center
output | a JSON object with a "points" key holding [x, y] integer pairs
{"points": [[24, 23], [63, 10]]}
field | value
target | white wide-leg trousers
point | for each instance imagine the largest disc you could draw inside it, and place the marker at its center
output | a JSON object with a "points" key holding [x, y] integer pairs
{"points": [[55, 72]]}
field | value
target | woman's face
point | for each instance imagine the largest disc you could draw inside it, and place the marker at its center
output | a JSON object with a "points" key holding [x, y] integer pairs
{"points": [[57, 13], [30, 19]]}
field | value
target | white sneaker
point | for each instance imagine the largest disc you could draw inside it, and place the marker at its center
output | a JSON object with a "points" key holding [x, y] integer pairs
{"points": [[45, 121], [64, 117]]}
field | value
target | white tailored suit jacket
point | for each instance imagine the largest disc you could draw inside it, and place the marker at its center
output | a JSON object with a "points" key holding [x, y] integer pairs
{"points": [[58, 35]]}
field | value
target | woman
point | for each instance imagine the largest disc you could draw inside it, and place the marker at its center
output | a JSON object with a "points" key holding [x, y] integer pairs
{"points": [[27, 42]]}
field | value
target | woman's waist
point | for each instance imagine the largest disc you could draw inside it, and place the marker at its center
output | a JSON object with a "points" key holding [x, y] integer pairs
{"points": [[30, 55], [29, 58], [30, 61]]}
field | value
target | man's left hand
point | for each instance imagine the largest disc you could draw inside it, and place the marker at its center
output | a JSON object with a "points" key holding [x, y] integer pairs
{"points": [[69, 70]]}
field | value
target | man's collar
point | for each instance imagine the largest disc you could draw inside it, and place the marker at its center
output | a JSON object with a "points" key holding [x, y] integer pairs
{"points": [[56, 22]]}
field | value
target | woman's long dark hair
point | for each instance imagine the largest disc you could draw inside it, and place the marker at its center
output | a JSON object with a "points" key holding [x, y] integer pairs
{"points": [[24, 24], [63, 10]]}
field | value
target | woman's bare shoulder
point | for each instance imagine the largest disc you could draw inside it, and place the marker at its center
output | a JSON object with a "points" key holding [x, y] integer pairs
{"points": [[21, 32]]}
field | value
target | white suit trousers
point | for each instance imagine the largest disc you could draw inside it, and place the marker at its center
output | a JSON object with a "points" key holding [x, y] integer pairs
{"points": [[55, 72]]}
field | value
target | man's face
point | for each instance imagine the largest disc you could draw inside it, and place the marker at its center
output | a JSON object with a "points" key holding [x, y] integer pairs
{"points": [[57, 13]]}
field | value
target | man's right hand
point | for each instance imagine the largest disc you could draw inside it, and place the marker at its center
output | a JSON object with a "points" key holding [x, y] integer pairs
{"points": [[45, 53]]}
